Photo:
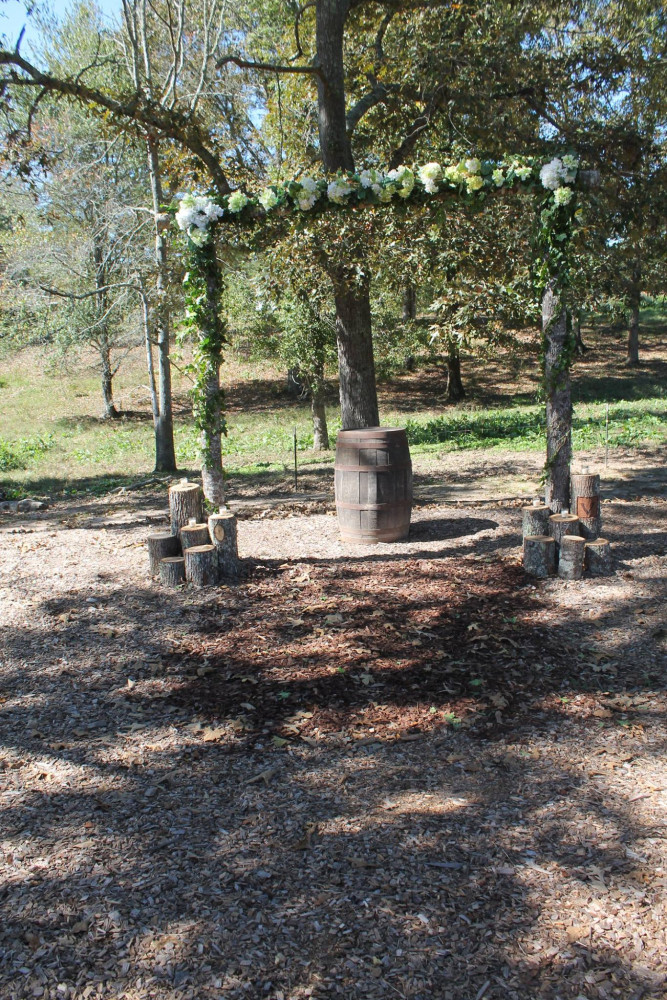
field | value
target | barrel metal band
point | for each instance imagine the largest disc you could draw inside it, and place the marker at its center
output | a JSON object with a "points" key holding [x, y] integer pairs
{"points": [[374, 506], [372, 468]]}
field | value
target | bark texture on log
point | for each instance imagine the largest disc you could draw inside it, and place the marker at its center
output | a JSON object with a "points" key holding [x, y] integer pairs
{"points": [[319, 414], [351, 286], [571, 557], [634, 302], [185, 502], [536, 520], [194, 534], [559, 397], [159, 547], [585, 503], [539, 555], [597, 557], [201, 565], [563, 524], [172, 571], [223, 530], [356, 365]]}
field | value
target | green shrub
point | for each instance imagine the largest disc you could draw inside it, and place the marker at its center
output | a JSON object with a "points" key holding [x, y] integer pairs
{"points": [[19, 454]]}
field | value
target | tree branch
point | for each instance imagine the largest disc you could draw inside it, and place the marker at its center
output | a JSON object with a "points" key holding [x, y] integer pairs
{"points": [[148, 114], [269, 67]]}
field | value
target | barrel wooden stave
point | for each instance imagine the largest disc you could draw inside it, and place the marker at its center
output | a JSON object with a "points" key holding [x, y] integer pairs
{"points": [[373, 479]]}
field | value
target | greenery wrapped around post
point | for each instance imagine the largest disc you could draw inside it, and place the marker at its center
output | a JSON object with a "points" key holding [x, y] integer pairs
{"points": [[557, 214], [469, 181], [203, 286]]}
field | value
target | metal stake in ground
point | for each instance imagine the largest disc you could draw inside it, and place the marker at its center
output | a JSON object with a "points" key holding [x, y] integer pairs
{"points": [[296, 482]]}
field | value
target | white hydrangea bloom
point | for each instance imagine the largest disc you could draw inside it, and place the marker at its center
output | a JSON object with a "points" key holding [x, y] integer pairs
{"points": [[338, 190], [385, 194], [404, 178], [473, 166], [553, 174], [197, 211], [370, 179], [563, 195], [237, 201], [212, 211], [306, 201], [455, 173], [474, 183], [498, 177], [571, 164], [523, 172], [268, 199], [430, 174], [308, 194]]}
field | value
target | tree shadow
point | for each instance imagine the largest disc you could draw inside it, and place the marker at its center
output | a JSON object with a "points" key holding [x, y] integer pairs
{"points": [[196, 797]]}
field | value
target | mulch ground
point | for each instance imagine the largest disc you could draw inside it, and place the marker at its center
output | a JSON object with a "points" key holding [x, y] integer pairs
{"points": [[416, 773]]}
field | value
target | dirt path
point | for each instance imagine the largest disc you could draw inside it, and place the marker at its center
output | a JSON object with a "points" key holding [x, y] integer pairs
{"points": [[403, 771]]}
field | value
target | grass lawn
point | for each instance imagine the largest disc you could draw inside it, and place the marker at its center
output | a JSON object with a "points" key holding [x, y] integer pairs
{"points": [[52, 439]]}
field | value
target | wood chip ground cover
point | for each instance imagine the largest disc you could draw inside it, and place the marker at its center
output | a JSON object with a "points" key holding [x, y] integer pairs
{"points": [[403, 771]]}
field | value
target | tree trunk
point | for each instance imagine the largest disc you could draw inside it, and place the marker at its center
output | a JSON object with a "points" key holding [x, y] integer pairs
{"points": [[634, 297], [358, 392], [319, 413], [579, 345], [409, 301], [213, 418], [165, 453], [356, 367], [110, 411], [557, 358], [455, 390]]}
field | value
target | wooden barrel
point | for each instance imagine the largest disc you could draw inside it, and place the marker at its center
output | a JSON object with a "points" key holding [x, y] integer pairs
{"points": [[373, 474]]}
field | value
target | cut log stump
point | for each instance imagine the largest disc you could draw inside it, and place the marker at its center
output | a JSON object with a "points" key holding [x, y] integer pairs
{"points": [[536, 520], [223, 531], [563, 524], [159, 547], [201, 565], [585, 503], [571, 557], [598, 558], [185, 504], [172, 571], [539, 555], [194, 534]]}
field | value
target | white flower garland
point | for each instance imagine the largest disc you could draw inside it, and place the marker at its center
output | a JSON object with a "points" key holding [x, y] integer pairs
{"points": [[468, 177]]}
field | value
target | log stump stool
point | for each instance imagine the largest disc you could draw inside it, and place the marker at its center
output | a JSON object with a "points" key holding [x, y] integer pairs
{"points": [[539, 555], [194, 534], [201, 565], [222, 528], [159, 547], [585, 503], [571, 557], [597, 557], [172, 571], [536, 520], [185, 503], [562, 524]]}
